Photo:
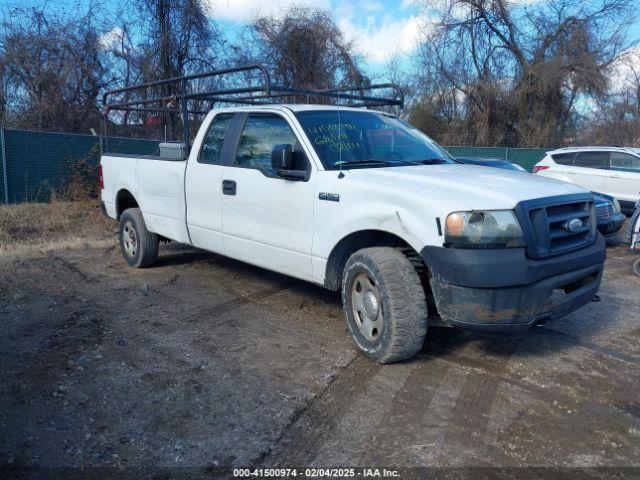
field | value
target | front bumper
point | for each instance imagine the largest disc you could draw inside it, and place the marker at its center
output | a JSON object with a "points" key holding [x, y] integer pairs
{"points": [[503, 291]]}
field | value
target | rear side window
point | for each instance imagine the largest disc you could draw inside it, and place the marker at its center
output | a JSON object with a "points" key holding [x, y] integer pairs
{"points": [[211, 151], [624, 161], [260, 134], [591, 159], [563, 158]]}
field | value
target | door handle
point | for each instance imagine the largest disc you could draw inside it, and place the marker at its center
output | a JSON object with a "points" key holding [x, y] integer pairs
{"points": [[228, 187]]}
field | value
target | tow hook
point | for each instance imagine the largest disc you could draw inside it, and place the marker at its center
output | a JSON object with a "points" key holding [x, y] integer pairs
{"points": [[596, 299]]}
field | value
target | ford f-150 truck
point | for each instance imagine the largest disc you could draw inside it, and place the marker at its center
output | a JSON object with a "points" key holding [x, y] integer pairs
{"points": [[363, 203]]}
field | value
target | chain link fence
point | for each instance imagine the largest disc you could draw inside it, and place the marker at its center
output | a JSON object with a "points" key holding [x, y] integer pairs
{"points": [[36, 164], [525, 157]]}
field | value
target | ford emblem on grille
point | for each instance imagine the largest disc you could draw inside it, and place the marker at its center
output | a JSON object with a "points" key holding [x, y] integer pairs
{"points": [[573, 225]]}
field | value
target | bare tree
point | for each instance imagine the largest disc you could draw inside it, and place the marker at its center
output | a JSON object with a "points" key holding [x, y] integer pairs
{"points": [[179, 37], [306, 49], [515, 72], [53, 71], [164, 39], [615, 119]]}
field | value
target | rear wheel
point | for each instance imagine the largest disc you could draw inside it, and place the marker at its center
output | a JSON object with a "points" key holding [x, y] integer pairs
{"points": [[138, 245], [384, 304]]}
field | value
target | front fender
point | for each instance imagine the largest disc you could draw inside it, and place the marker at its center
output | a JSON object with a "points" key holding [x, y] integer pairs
{"points": [[336, 223], [398, 222]]}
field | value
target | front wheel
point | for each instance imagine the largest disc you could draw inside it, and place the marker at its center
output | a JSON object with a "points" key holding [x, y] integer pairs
{"points": [[384, 304], [139, 246]]}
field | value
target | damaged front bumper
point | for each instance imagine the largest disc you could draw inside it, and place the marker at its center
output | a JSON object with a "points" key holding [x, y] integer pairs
{"points": [[503, 291]]}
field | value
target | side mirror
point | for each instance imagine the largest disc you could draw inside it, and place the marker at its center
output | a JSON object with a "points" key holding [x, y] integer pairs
{"points": [[282, 157], [282, 162]]}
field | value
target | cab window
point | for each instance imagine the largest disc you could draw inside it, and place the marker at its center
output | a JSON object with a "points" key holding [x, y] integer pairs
{"points": [[211, 151], [262, 132], [591, 159], [624, 161]]}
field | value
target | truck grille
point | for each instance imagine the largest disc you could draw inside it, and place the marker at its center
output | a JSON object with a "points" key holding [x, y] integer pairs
{"points": [[552, 227], [604, 211]]}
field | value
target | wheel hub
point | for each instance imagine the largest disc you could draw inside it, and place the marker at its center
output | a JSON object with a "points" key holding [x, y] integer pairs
{"points": [[367, 306], [130, 239], [370, 304]]}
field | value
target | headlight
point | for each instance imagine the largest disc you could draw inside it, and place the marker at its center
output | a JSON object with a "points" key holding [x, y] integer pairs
{"points": [[483, 229], [616, 206]]}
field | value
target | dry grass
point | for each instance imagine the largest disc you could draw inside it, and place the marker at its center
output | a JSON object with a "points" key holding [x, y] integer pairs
{"points": [[49, 226]]}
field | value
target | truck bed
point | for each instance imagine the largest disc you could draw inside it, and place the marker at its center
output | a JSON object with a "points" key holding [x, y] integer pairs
{"points": [[159, 185]]}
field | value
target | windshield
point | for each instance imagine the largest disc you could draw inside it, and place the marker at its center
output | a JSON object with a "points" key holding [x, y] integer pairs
{"points": [[347, 138]]}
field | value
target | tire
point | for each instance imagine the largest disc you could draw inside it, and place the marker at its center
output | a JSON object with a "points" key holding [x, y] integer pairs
{"points": [[384, 304], [138, 245], [636, 267]]}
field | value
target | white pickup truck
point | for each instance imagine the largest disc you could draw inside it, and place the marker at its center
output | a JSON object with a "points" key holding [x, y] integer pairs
{"points": [[361, 202]]}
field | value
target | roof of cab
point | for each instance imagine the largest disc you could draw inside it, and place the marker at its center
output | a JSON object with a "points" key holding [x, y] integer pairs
{"points": [[294, 107]]}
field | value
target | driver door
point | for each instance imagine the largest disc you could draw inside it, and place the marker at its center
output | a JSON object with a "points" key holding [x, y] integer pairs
{"points": [[267, 220]]}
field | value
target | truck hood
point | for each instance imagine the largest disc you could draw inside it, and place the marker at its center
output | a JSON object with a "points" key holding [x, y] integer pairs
{"points": [[479, 187]]}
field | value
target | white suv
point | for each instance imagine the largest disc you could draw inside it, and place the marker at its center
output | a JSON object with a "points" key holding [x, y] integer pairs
{"points": [[611, 170]]}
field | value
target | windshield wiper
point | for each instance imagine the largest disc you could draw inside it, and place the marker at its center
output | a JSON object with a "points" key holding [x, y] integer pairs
{"points": [[364, 163], [428, 161], [387, 163], [434, 161]]}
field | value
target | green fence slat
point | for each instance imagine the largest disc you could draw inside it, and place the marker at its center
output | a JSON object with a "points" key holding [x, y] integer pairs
{"points": [[486, 152], [39, 163], [525, 157], [3, 165]]}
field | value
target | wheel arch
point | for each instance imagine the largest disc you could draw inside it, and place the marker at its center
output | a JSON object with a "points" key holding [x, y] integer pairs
{"points": [[358, 240], [125, 200]]}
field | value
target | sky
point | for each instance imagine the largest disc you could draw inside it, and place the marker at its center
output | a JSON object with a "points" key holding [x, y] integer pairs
{"points": [[380, 29]]}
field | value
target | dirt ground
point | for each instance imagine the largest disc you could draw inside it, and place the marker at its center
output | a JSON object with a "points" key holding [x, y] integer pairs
{"points": [[29, 227], [202, 364]]}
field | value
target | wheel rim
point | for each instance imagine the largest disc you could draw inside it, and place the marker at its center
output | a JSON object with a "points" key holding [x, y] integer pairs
{"points": [[130, 239], [366, 303]]}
